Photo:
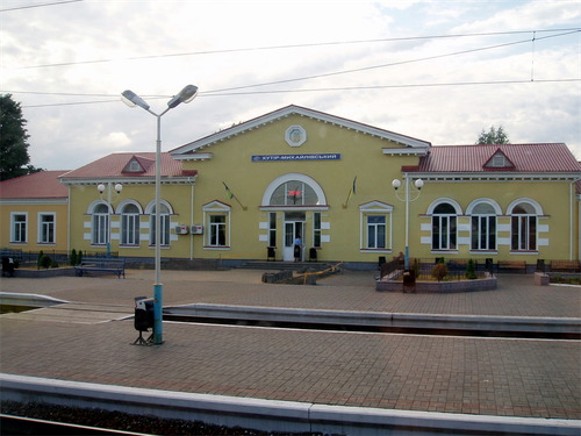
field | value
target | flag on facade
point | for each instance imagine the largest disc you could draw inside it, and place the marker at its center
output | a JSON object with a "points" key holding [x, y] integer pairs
{"points": [[230, 193]]}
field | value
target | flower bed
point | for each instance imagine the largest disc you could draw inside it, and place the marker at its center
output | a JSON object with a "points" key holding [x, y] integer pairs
{"points": [[485, 283]]}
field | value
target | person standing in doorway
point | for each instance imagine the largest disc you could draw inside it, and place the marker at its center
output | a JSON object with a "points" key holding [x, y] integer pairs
{"points": [[298, 248]]}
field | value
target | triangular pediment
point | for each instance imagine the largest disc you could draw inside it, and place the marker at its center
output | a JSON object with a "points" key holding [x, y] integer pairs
{"points": [[137, 165], [195, 149], [498, 160], [375, 206]]}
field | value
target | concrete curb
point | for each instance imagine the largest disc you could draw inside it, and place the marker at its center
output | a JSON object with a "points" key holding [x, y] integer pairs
{"points": [[269, 415], [526, 324], [28, 300]]}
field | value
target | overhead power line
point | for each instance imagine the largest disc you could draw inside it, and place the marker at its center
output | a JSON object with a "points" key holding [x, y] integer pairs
{"points": [[294, 46], [39, 6], [290, 91]]}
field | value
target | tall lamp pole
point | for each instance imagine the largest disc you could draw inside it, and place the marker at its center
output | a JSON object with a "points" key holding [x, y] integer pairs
{"points": [[408, 197], [101, 188], [132, 99]]}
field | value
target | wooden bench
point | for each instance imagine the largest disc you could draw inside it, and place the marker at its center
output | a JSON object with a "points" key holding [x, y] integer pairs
{"points": [[512, 265], [565, 265], [106, 265]]}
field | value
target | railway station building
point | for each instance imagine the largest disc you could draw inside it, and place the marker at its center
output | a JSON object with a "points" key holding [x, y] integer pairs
{"points": [[349, 191]]}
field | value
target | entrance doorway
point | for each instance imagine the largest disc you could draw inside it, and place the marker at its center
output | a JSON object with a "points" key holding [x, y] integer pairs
{"points": [[294, 227]]}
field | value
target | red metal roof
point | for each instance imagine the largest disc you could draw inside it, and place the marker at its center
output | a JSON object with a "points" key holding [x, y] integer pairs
{"points": [[112, 166], [526, 158], [41, 185]]}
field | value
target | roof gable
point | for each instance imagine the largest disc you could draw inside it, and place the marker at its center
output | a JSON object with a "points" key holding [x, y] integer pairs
{"points": [[137, 165], [498, 161], [193, 149]]}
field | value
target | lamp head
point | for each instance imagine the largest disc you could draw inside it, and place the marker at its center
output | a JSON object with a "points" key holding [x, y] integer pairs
{"points": [[131, 99], [396, 183], [118, 188], [184, 96], [101, 188], [419, 183]]}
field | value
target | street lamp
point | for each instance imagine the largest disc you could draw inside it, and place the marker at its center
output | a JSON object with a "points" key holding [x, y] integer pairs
{"points": [[418, 184], [132, 99], [101, 188]]}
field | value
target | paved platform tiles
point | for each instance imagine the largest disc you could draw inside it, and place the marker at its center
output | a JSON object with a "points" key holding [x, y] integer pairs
{"points": [[503, 377]]}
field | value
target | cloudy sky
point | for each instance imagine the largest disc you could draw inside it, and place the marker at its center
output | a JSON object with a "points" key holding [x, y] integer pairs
{"points": [[438, 70]]}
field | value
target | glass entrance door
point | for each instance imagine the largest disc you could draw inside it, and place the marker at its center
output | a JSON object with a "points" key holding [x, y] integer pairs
{"points": [[294, 228]]}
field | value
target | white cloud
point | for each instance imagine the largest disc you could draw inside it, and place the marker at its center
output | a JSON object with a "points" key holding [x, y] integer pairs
{"points": [[119, 32]]}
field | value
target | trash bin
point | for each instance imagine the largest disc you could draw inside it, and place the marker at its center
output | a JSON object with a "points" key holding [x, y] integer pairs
{"points": [[409, 281], [270, 253], [143, 319], [312, 254], [7, 266]]}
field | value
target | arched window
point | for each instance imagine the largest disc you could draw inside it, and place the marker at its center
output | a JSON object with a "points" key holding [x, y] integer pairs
{"points": [[164, 219], [444, 227], [294, 190], [130, 224], [483, 226], [294, 193], [523, 226], [101, 218]]}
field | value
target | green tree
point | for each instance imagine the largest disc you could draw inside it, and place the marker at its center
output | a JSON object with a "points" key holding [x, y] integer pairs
{"points": [[14, 158], [493, 136]]}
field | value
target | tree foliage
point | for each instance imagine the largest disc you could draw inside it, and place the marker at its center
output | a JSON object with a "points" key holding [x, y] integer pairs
{"points": [[14, 157], [493, 136]]}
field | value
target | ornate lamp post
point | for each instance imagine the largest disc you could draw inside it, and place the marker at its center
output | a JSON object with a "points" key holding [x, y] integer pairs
{"points": [[408, 197], [101, 188], [132, 99]]}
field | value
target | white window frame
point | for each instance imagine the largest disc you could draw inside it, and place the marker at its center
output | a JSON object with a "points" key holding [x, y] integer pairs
{"points": [[18, 229], [100, 225], [523, 224], [130, 225], [484, 220], [217, 208], [48, 227], [447, 225], [375, 208]]}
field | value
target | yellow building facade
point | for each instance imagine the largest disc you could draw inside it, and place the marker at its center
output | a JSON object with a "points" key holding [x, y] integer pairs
{"points": [[296, 175], [34, 213]]}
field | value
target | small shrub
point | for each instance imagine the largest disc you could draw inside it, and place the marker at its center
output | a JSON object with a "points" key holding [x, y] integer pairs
{"points": [[45, 262], [73, 260], [471, 270], [39, 259], [439, 271]]}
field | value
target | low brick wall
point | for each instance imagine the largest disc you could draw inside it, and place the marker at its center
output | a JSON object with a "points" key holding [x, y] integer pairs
{"points": [[44, 273], [476, 285]]}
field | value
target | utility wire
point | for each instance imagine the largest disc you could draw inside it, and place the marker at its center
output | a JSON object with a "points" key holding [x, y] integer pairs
{"points": [[373, 67], [39, 6], [328, 89], [291, 46]]}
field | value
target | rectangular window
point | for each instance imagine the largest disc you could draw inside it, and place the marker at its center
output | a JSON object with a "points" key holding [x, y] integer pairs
{"points": [[217, 232], [444, 232], [19, 227], [524, 233], [164, 220], [130, 229], [46, 233], [376, 231], [100, 228], [272, 229], [483, 232], [317, 230]]}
